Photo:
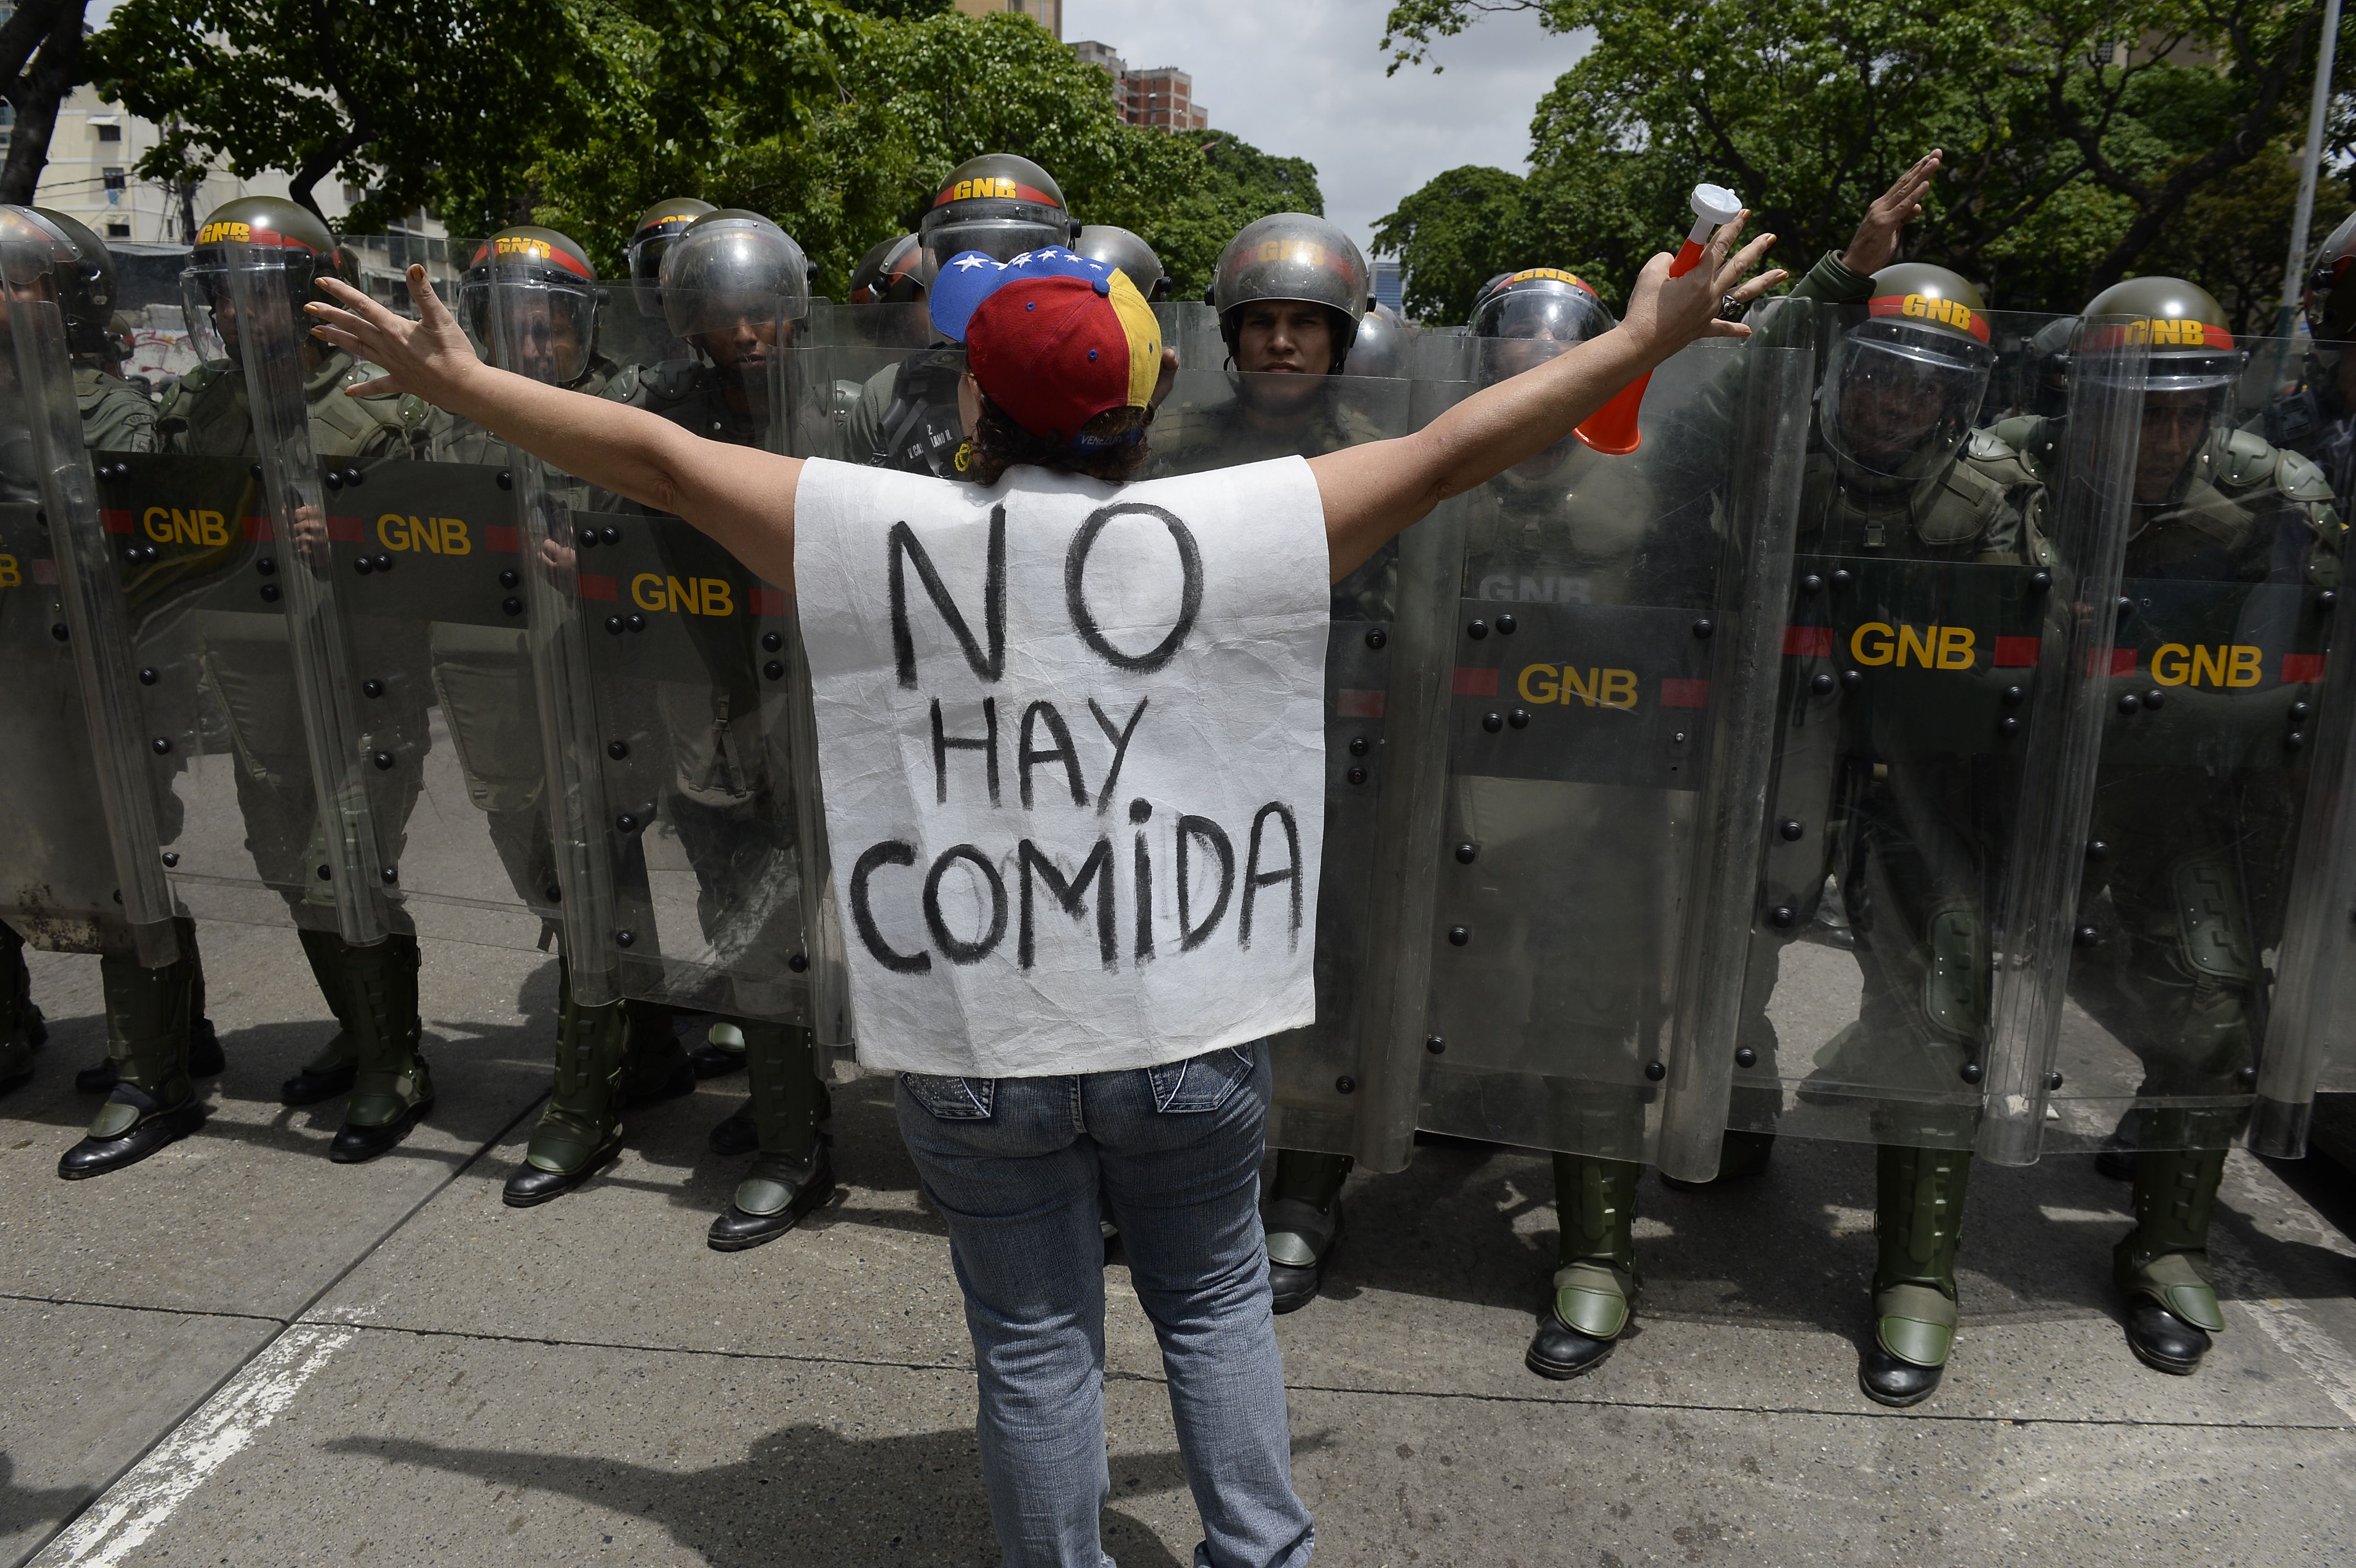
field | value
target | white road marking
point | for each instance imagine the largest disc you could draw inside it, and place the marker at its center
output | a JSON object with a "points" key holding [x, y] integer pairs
{"points": [[134, 1508]]}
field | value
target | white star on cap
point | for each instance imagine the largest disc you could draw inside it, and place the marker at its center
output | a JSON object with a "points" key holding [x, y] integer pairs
{"points": [[968, 261]]}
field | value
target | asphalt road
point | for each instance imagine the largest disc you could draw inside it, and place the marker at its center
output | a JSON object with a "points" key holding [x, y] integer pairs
{"points": [[239, 1353]]}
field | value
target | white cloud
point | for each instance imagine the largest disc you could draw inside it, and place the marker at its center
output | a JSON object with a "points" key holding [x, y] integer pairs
{"points": [[1304, 78]]}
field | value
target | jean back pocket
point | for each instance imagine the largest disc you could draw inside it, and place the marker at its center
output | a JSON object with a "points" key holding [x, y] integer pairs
{"points": [[952, 1099], [1201, 1082]]}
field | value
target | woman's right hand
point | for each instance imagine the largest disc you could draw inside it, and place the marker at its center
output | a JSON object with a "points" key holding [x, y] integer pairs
{"points": [[429, 357], [1665, 312]]}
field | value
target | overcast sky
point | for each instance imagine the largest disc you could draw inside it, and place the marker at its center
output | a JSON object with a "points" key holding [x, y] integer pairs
{"points": [[1304, 78]]}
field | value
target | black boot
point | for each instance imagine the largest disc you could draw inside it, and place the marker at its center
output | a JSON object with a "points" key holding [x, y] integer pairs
{"points": [[392, 1086], [330, 1072], [1595, 1280], [793, 1174], [580, 1132], [1918, 1223], [1303, 1220], [2162, 1265], [153, 1102]]}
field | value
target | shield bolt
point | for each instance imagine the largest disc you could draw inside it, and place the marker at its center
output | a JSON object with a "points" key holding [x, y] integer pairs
{"points": [[774, 670], [2294, 741], [1467, 853], [371, 689], [1492, 722], [2053, 1082], [617, 749], [1436, 1044], [383, 760], [1357, 775], [797, 964], [1746, 1057], [2247, 1077], [1782, 915], [1972, 1072], [147, 677], [624, 938], [1519, 717], [1376, 639], [1346, 1084], [1703, 627], [1477, 630], [171, 858], [771, 642], [1655, 1071], [163, 747], [1458, 935], [1791, 829], [2088, 936], [1505, 625]]}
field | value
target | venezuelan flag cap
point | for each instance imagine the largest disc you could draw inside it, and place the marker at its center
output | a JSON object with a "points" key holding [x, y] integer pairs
{"points": [[1054, 338]]}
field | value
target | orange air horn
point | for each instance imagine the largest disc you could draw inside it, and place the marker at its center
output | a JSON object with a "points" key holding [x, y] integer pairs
{"points": [[1611, 429]]}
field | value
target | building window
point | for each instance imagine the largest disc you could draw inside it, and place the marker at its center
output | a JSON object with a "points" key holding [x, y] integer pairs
{"points": [[116, 229], [113, 179], [109, 130]]}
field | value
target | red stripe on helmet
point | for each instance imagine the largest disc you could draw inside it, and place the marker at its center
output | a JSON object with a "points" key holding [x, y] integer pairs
{"points": [[1016, 191], [1927, 308]]}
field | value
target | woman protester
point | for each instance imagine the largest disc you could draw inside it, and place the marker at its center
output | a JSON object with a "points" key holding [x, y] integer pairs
{"points": [[1020, 1136]]}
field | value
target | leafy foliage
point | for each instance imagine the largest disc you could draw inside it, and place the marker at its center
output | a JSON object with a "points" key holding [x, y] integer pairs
{"points": [[1462, 229], [838, 120], [2069, 160]]}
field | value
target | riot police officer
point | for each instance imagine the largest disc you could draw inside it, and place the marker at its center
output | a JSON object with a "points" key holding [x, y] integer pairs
{"points": [[1384, 343], [1288, 290], [907, 416], [544, 325], [156, 1033], [2316, 416], [736, 289], [371, 990], [894, 272], [1117, 247], [660, 228], [116, 417], [2228, 538]]}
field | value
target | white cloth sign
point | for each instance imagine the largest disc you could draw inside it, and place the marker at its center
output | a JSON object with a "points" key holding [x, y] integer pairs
{"points": [[1071, 736]]}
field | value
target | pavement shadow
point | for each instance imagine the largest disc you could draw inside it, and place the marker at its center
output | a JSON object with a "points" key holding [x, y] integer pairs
{"points": [[36, 1509], [802, 1496]]}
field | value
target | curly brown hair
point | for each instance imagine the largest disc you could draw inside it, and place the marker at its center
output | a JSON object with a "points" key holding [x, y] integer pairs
{"points": [[998, 445]]}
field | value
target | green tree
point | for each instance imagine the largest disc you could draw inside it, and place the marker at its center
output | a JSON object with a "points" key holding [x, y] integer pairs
{"points": [[421, 102], [42, 58], [1463, 227], [2069, 156]]}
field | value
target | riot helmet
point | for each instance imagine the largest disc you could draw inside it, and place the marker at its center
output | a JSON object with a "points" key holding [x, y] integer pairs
{"points": [[546, 319], [1385, 341], [1292, 256], [1120, 247], [1904, 386], [897, 272], [659, 229], [86, 292], [272, 227], [2181, 327], [998, 204], [1537, 313], [732, 286], [2189, 371], [2331, 308]]}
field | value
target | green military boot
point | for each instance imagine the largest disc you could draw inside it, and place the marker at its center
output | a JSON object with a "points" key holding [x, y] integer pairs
{"points": [[2162, 1265], [1302, 1219], [793, 1174], [205, 1058], [153, 1102], [1595, 1283], [392, 1087], [581, 1130], [21, 1025], [330, 1072], [1918, 1222]]}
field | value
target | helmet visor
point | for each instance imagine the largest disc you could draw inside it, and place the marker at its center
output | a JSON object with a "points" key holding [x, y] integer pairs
{"points": [[537, 326], [1897, 401], [1000, 239], [1561, 315]]}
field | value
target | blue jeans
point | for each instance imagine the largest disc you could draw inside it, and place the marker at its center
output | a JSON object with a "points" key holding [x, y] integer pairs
{"points": [[1016, 1166]]}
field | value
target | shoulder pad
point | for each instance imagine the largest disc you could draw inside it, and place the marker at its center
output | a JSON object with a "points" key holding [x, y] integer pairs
{"points": [[675, 381], [2243, 460], [2021, 432], [622, 387], [1990, 445], [1966, 502], [2300, 479]]}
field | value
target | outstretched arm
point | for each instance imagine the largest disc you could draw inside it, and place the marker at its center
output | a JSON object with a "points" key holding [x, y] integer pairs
{"points": [[1372, 492], [741, 497]]}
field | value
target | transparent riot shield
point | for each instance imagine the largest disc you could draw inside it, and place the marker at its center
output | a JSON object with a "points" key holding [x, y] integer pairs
{"points": [[2223, 718], [692, 767], [80, 854], [1605, 725], [1331, 1093], [1931, 730]]}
